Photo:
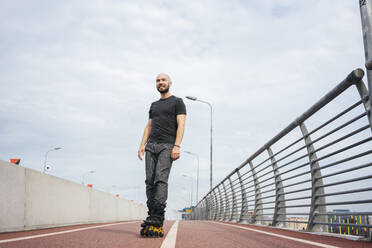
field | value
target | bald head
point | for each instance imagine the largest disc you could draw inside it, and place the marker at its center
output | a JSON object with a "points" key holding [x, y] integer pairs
{"points": [[161, 75], [163, 83]]}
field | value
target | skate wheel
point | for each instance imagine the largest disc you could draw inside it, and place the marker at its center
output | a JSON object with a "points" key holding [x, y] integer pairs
{"points": [[142, 232], [151, 231], [146, 231], [161, 235]]}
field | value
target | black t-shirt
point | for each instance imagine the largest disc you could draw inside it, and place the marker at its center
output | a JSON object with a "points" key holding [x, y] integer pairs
{"points": [[164, 119]]}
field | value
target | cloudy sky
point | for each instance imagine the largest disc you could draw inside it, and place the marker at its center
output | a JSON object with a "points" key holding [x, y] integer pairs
{"points": [[81, 75]]}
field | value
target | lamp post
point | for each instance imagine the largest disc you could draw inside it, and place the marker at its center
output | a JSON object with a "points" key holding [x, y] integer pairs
{"points": [[197, 175], [193, 98], [366, 16], [192, 187], [46, 156], [82, 181]]}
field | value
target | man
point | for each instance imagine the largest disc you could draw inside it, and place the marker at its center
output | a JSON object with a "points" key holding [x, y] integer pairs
{"points": [[161, 141]]}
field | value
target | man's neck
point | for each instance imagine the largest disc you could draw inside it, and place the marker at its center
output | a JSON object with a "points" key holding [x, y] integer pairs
{"points": [[165, 95]]}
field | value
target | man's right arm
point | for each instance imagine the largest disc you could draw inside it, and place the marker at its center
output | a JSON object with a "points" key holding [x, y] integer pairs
{"points": [[145, 137]]}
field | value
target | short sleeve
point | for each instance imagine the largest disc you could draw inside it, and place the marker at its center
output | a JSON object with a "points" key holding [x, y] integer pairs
{"points": [[150, 112], [180, 107]]}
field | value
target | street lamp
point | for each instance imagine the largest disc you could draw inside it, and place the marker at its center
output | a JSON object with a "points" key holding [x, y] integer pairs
{"points": [[192, 187], [366, 16], [193, 98], [82, 181], [197, 175], [46, 155]]}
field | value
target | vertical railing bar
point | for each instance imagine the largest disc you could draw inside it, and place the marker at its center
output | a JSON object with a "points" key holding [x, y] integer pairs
{"points": [[206, 209], [257, 196], [315, 172], [363, 92], [233, 204], [216, 205], [279, 212], [244, 206], [211, 207], [226, 203], [210, 217], [221, 204]]}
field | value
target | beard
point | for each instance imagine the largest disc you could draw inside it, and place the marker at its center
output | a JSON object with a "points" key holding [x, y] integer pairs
{"points": [[164, 90]]}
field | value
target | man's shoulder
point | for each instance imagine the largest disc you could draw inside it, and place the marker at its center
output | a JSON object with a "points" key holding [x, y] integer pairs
{"points": [[177, 98], [172, 98]]}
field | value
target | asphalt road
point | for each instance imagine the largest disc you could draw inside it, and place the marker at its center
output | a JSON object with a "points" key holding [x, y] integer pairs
{"points": [[179, 234]]}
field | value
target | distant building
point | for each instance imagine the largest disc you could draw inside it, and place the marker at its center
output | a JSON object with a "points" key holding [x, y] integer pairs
{"points": [[298, 223]]}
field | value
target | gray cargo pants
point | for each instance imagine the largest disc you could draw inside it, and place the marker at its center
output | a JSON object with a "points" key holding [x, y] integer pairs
{"points": [[158, 166]]}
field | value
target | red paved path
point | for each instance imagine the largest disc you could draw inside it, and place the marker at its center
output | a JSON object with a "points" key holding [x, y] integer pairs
{"points": [[190, 234]]}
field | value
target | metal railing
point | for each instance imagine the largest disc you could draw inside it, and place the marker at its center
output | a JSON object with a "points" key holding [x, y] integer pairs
{"points": [[322, 160]]}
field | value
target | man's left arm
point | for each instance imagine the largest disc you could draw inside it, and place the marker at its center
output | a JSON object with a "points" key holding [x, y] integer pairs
{"points": [[181, 119]]}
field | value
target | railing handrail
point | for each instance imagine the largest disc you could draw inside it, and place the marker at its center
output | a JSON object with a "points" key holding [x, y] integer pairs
{"points": [[354, 77]]}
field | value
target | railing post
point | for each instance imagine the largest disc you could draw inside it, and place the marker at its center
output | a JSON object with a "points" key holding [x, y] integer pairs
{"points": [[210, 211], [227, 210], [234, 205], [366, 16], [221, 212], [216, 207], [206, 208], [257, 196], [315, 185], [279, 212], [363, 92], [244, 208]]}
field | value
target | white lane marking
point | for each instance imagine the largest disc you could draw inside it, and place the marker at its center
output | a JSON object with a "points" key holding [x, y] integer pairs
{"points": [[280, 236], [170, 239], [62, 232]]}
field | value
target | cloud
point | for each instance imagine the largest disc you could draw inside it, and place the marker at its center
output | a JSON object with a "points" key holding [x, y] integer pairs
{"points": [[80, 75]]}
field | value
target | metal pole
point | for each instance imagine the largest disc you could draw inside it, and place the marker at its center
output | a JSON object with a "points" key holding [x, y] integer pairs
{"points": [[211, 173], [197, 183], [46, 155], [366, 16], [192, 189], [211, 145], [197, 175]]}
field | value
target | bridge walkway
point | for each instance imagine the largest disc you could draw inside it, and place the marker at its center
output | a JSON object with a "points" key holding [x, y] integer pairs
{"points": [[184, 234]]}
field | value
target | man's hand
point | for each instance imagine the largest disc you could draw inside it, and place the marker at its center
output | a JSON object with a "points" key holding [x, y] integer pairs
{"points": [[175, 153], [141, 152]]}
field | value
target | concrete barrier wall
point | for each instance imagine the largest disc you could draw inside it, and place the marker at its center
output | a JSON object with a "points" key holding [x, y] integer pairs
{"points": [[30, 199]]}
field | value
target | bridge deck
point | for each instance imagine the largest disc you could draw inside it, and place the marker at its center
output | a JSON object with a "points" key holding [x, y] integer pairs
{"points": [[188, 234]]}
